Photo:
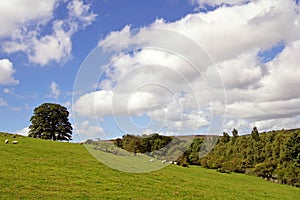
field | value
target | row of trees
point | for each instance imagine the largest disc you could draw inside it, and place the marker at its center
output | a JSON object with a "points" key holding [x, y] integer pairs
{"points": [[272, 155], [142, 144]]}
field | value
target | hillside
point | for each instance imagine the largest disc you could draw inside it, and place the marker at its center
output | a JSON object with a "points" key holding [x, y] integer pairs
{"points": [[39, 169]]}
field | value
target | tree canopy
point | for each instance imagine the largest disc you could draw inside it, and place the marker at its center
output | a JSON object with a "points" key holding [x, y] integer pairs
{"points": [[50, 121]]}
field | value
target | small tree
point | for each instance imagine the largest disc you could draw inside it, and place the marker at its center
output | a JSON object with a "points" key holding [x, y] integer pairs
{"points": [[50, 121], [225, 138], [235, 134], [118, 142], [255, 134]]}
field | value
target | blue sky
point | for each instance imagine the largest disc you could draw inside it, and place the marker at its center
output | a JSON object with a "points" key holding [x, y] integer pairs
{"points": [[253, 52]]}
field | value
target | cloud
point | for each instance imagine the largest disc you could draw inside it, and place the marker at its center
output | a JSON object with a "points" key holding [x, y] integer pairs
{"points": [[16, 14], [54, 89], [203, 3], [24, 131], [2, 102], [242, 71], [85, 129], [81, 13], [26, 34], [137, 84], [56, 47], [277, 124], [101, 100], [239, 124], [283, 75], [233, 36], [7, 71], [227, 31], [7, 91], [67, 104]]}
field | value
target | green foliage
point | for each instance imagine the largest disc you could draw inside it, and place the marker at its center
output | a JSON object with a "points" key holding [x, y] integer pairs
{"points": [[293, 148], [143, 144], [255, 134], [157, 146], [266, 168], [225, 138], [274, 155], [192, 153], [118, 142], [235, 134], [132, 143], [50, 121]]}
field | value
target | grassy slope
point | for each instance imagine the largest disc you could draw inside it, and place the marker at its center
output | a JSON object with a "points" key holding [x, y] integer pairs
{"points": [[38, 169]]}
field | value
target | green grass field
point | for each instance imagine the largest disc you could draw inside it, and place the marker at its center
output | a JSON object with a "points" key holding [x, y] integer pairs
{"points": [[39, 169]]}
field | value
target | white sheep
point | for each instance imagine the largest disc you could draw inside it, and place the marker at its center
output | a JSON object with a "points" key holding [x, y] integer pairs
{"points": [[163, 162], [151, 160], [15, 142], [6, 141]]}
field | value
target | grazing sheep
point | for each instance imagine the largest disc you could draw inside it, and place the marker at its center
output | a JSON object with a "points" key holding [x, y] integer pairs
{"points": [[276, 181], [170, 162], [151, 160], [15, 142], [6, 141], [175, 163], [163, 162]]}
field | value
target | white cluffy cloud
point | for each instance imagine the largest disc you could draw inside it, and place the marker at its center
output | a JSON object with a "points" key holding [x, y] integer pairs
{"points": [[7, 91], [2, 102], [86, 129], [7, 71], [24, 20], [203, 3], [54, 89], [234, 37], [24, 131], [15, 13], [137, 84]]}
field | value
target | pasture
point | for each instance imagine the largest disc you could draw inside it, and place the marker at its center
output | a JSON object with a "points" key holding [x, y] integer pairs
{"points": [[40, 169]]}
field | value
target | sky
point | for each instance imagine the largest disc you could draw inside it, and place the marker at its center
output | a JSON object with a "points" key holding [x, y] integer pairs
{"points": [[139, 66]]}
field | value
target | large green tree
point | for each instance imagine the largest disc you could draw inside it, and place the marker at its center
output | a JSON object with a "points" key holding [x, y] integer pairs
{"points": [[50, 121]]}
